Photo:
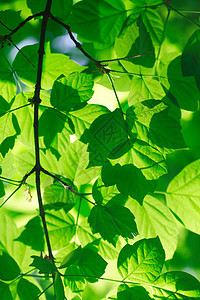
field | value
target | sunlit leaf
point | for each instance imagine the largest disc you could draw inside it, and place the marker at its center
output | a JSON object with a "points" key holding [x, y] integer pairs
{"points": [[183, 196], [75, 168], [175, 285], [141, 262], [152, 219], [54, 65], [70, 93]]}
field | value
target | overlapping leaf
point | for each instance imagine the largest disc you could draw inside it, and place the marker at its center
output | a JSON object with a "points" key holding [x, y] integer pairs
{"points": [[136, 41], [83, 118], [152, 219], [57, 197], [151, 121], [72, 92], [60, 8], [183, 88], [175, 285], [99, 22], [74, 164], [53, 66], [106, 136], [112, 221]]}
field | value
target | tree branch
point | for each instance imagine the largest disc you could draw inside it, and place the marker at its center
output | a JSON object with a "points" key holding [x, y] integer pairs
{"points": [[36, 100]]}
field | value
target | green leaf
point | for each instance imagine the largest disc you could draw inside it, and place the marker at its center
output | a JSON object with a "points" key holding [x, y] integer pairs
{"points": [[33, 234], [125, 292], [83, 118], [104, 17], [8, 234], [49, 132], [8, 87], [129, 180], [60, 8], [149, 160], [91, 264], [85, 235], [27, 290], [5, 291], [56, 196], [146, 2], [43, 265], [183, 196], [59, 288], [9, 269], [154, 25], [175, 285], [155, 218], [76, 283], [71, 258], [54, 65], [2, 190], [61, 228], [70, 93], [106, 135], [184, 89], [4, 106], [153, 124], [75, 168], [9, 18], [136, 41], [112, 221], [190, 58], [141, 262]]}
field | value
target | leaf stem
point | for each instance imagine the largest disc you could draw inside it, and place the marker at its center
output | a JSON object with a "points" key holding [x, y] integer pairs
{"points": [[19, 186], [44, 291], [180, 13], [78, 45]]}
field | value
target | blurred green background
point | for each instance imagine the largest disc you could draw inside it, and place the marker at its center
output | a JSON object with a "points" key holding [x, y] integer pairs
{"points": [[178, 30]]}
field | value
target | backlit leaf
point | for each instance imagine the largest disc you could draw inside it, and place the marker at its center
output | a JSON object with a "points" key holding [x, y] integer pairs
{"points": [[141, 262], [69, 93], [183, 196], [99, 22], [112, 221]]}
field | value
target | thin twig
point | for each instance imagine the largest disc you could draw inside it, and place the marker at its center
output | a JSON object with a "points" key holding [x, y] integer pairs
{"points": [[12, 180], [66, 186], [115, 92], [19, 107], [44, 291], [11, 195], [21, 24], [123, 58], [19, 186], [78, 45], [178, 12]]}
